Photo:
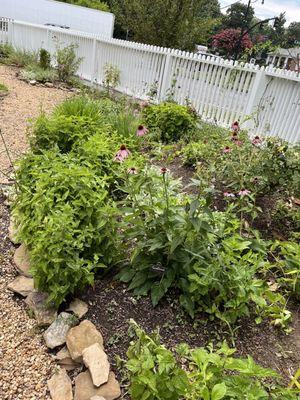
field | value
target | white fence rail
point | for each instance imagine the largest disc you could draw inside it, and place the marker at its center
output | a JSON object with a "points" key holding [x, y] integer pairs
{"points": [[266, 101]]}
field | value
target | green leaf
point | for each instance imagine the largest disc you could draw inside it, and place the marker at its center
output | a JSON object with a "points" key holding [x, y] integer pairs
{"points": [[218, 391]]}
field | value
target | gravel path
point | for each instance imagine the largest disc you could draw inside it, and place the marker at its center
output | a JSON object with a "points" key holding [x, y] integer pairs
{"points": [[25, 364], [23, 102]]}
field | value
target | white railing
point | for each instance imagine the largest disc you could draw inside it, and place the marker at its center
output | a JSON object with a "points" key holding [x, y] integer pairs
{"points": [[266, 101]]}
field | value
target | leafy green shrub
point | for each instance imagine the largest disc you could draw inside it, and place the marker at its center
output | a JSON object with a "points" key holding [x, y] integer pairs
{"points": [[67, 221], [20, 58], [111, 77], [5, 50], [67, 62], [96, 4], [173, 121], [155, 372], [35, 72], [44, 59], [180, 243]]}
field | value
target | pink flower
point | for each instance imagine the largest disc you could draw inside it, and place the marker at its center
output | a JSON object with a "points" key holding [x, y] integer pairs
{"points": [[227, 149], [235, 127], [141, 130], [132, 171], [164, 170], [244, 192], [238, 142], [122, 154], [256, 141], [228, 194], [234, 136]]}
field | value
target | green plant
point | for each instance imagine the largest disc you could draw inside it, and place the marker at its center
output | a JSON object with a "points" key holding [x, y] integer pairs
{"points": [[286, 216], [35, 72], [173, 121], [3, 88], [67, 62], [18, 57], [111, 77], [44, 59], [67, 221], [204, 373]]}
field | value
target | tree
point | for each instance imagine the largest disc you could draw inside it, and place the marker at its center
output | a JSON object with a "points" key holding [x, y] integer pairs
{"points": [[238, 15], [278, 35], [293, 34], [96, 4], [167, 23], [227, 41]]}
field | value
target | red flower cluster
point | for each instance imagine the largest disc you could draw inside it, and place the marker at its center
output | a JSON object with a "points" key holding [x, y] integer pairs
{"points": [[227, 40]]}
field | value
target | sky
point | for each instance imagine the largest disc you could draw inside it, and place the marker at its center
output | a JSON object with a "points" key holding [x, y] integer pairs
{"points": [[272, 8]]}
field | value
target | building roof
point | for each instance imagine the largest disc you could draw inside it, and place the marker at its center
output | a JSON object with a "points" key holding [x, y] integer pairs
{"points": [[292, 52]]}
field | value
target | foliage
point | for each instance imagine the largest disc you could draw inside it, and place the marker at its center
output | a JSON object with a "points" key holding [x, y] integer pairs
{"points": [[14, 56], [173, 121], [293, 34], [67, 221], [196, 374], [286, 216], [238, 15], [3, 88], [180, 243], [39, 74], [44, 59], [230, 41], [67, 62], [111, 77], [95, 4]]}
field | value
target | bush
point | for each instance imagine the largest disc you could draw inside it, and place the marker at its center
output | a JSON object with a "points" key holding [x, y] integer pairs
{"points": [[18, 57], [44, 59], [67, 221], [174, 122], [67, 62], [35, 72], [203, 373]]}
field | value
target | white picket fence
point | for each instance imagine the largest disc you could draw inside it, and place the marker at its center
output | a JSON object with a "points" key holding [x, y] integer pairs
{"points": [[265, 101]]}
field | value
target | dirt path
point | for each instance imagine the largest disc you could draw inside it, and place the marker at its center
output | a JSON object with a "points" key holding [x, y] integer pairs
{"points": [[22, 103], [25, 364]]}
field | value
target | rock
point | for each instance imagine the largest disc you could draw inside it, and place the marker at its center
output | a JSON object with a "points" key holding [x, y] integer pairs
{"points": [[49, 84], [64, 359], [56, 334], [81, 337], [44, 314], [21, 260], [78, 307], [12, 231], [97, 398], [84, 388], [32, 82], [22, 285], [96, 361], [60, 386]]}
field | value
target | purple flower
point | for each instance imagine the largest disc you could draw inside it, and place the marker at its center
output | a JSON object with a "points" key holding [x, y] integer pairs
{"points": [[244, 192], [122, 154], [164, 170], [235, 127], [141, 130], [144, 104], [256, 141], [132, 171], [227, 149], [228, 194]]}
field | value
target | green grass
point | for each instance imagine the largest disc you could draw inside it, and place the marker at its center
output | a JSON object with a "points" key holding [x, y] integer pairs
{"points": [[3, 88]]}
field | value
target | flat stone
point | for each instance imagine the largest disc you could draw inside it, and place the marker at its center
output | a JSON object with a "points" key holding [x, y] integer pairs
{"points": [[95, 359], [21, 285], [44, 314], [21, 260], [84, 388], [60, 386], [97, 398], [56, 334], [32, 82], [82, 336], [64, 359], [78, 307], [13, 231], [49, 84]]}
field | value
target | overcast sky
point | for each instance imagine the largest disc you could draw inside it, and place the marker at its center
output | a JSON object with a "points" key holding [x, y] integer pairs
{"points": [[272, 8]]}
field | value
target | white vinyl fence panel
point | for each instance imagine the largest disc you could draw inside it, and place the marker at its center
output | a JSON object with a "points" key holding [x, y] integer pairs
{"points": [[265, 101]]}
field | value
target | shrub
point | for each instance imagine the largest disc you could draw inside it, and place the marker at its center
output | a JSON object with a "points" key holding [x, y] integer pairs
{"points": [[44, 59], [18, 57], [67, 62], [111, 77], [67, 221], [174, 122], [203, 373], [35, 72]]}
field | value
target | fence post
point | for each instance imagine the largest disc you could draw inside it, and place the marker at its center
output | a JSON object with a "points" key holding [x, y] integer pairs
{"points": [[257, 91], [10, 33], [94, 70], [166, 78]]}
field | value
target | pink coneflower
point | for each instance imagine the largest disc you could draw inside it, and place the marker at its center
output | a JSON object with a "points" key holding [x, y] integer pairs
{"points": [[132, 171], [234, 136], [244, 192], [164, 170], [228, 194], [144, 104], [256, 141], [227, 149], [122, 154], [238, 142], [141, 130], [235, 127]]}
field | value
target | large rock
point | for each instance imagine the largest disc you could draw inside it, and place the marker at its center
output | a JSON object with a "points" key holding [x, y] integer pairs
{"points": [[44, 314], [64, 359], [60, 386], [78, 307], [13, 231], [22, 285], [82, 336], [21, 260], [84, 388], [56, 334], [96, 361]]}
